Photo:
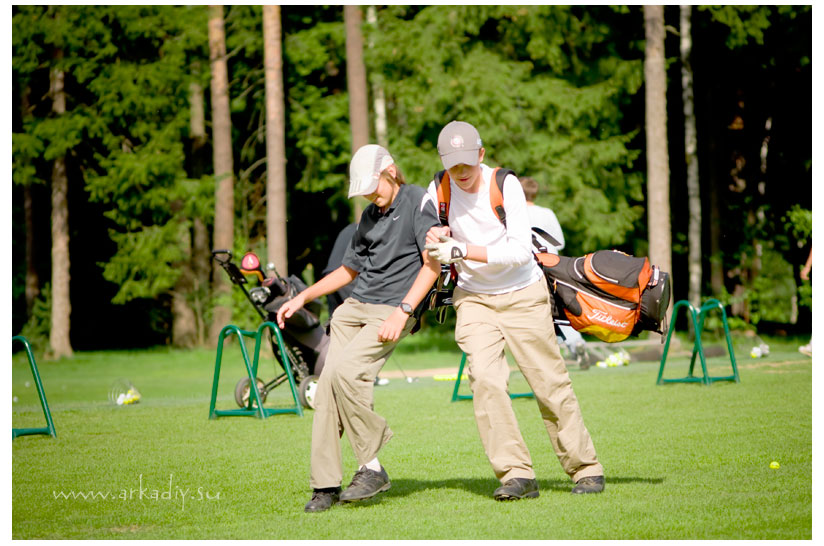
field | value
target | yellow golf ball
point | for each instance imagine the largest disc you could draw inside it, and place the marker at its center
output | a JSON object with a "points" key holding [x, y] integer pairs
{"points": [[775, 465]]}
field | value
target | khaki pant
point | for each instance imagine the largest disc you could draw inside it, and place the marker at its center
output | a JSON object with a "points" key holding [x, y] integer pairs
{"points": [[343, 400], [521, 320]]}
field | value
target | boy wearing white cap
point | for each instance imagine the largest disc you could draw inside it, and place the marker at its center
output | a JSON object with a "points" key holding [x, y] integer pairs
{"points": [[502, 300], [392, 274]]}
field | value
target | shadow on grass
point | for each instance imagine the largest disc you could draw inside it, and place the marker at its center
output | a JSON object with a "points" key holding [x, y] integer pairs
{"points": [[484, 487]]}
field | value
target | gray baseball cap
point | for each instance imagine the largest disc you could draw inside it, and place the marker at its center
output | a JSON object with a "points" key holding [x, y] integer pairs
{"points": [[459, 143]]}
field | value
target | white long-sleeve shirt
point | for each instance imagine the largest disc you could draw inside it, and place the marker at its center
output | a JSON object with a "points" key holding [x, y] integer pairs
{"points": [[511, 265]]}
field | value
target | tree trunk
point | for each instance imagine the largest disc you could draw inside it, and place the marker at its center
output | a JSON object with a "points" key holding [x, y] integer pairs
{"points": [[377, 90], [61, 302], [716, 257], [200, 238], [275, 141], [655, 77], [695, 255], [32, 279], [223, 168], [379, 100], [184, 322], [356, 85]]}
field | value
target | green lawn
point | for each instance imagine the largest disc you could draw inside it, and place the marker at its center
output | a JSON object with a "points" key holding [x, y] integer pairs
{"points": [[682, 461]]}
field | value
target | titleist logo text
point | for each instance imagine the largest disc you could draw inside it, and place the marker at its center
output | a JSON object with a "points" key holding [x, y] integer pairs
{"points": [[602, 316]]}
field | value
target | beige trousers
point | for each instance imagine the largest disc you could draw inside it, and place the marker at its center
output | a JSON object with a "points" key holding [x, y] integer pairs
{"points": [[343, 400], [522, 321]]}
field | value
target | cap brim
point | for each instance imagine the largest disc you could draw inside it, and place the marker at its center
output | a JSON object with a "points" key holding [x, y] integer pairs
{"points": [[366, 191], [465, 157]]}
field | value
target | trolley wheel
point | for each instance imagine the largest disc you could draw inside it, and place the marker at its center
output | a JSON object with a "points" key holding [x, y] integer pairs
{"points": [[242, 392], [306, 391]]}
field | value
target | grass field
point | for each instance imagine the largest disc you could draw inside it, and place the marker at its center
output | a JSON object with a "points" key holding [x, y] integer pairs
{"points": [[682, 461]]}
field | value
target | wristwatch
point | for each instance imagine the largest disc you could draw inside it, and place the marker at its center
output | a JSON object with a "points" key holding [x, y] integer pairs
{"points": [[406, 308]]}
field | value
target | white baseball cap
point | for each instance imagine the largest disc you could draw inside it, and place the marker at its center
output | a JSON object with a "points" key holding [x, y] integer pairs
{"points": [[459, 143], [366, 167]]}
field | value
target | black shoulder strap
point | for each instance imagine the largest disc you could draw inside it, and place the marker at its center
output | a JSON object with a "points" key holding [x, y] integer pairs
{"points": [[549, 238], [442, 190], [498, 204]]}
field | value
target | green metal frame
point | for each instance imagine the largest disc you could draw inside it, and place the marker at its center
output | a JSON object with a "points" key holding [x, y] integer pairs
{"points": [[456, 396], [49, 428], [697, 318], [251, 368]]}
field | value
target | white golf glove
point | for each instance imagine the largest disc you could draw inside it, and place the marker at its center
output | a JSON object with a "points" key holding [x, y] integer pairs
{"points": [[448, 251]]}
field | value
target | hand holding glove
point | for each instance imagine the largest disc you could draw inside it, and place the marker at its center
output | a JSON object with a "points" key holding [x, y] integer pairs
{"points": [[447, 251]]}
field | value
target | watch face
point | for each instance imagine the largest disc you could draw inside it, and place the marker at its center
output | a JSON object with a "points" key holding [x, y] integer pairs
{"points": [[406, 308]]}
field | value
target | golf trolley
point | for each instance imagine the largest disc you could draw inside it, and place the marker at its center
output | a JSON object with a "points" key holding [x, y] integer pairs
{"points": [[305, 339]]}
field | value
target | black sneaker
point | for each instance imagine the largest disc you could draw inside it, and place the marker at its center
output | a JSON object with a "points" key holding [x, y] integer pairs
{"points": [[322, 499], [517, 488], [590, 484], [365, 484]]}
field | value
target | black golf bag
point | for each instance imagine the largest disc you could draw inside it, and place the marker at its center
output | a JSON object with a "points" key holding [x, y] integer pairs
{"points": [[305, 339]]}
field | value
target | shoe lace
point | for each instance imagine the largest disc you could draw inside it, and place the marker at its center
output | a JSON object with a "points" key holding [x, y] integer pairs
{"points": [[359, 477]]}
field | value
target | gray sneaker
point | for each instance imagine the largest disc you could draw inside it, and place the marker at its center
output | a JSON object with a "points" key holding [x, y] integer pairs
{"points": [[366, 484], [517, 488], [590, 484]]}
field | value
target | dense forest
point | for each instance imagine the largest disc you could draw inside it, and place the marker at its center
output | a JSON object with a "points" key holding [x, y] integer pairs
{"points": [[131, 123]]}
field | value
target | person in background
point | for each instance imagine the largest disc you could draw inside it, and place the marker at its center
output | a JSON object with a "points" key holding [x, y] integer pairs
{"points": [[545, 219], [805, 275], [502, 300]]}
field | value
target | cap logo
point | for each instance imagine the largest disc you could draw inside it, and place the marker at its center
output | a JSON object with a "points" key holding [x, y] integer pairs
{"points": [[457, 141]]}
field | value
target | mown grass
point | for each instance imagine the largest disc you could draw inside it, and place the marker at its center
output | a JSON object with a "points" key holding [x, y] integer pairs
{"points": [[682, 461]]}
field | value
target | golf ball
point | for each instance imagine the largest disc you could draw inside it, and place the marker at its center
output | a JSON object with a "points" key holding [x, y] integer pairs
{"points": [[774, 465]]}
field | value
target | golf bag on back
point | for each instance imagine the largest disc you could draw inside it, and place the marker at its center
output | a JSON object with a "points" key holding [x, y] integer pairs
{"points": [[606, 293]]}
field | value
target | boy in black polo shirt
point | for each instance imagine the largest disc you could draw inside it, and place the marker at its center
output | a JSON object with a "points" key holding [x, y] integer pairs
{"points": [[392, 274]]}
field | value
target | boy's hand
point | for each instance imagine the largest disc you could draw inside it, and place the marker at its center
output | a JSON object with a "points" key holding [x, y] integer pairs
{"points": [[447, 251], [392, 327], [432, 236], [288, 309]]}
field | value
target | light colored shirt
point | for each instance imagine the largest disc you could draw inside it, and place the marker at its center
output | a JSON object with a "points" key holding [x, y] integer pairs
{"points": [[511, 265], [544, 218]]}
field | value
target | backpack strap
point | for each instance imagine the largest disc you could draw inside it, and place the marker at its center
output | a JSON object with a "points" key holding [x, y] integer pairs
{"points": [[496, 192], [442, 181]]}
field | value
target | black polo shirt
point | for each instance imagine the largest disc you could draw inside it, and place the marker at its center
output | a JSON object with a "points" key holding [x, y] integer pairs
{"points": [[386, 249]]}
